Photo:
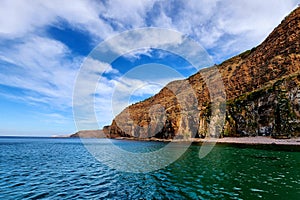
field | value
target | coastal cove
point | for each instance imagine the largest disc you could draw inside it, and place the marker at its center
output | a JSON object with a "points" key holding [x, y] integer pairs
{"points": [[62, 167]]}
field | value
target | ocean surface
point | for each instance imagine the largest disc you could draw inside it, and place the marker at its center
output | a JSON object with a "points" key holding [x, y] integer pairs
{"points": [[53, 168]]}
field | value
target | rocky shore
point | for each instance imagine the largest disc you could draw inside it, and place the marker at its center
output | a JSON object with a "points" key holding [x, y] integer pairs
{"points": [[258, 140]]}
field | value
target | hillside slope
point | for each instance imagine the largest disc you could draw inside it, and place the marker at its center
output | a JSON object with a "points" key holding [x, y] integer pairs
{"points": [[262, 89]]}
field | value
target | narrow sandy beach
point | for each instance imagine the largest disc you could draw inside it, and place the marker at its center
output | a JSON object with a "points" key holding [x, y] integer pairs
{"points": [[229, 140], [259, 140]]}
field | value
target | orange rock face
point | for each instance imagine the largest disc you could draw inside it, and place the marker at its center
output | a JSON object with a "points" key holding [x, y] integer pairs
{"points": [[261, 89]]}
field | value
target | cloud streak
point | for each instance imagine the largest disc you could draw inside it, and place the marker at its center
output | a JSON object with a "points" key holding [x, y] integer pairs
{"points": [[19, 18], [42, 66]]}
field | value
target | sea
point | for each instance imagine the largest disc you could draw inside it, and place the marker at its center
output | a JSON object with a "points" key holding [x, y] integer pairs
{"points": [[64, 168]]}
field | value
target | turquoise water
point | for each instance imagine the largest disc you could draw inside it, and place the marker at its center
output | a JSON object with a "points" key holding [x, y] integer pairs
{"points": [[49, 168]]}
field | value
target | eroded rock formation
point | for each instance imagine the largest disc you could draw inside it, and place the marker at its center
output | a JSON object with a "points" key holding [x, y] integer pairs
{"points": [[262, 88]]}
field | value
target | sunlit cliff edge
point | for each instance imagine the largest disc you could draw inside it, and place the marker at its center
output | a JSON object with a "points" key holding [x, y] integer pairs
{"points": [[261, 96]]}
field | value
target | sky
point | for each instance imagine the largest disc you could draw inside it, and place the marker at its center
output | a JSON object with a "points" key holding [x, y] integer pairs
{"points": [[44, 44]]}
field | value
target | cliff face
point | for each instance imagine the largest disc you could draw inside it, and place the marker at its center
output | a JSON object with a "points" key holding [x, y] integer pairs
{"points": [[262, 89]]}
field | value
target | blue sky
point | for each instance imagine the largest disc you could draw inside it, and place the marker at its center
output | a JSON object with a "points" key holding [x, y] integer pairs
{"points": [[44, 43]]}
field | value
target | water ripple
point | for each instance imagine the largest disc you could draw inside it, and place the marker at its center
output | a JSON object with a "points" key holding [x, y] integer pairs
{"points": [[64, 169]]}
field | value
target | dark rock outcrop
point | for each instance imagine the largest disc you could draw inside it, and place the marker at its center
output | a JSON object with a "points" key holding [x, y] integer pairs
{"points": [[262, 87], [89, 134]]}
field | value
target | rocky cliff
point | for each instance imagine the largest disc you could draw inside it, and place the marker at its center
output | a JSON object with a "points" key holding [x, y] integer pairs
{"points": [[262, 88]]}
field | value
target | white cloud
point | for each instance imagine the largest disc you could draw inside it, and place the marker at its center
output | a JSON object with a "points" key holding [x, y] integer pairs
{"points": [[21, 17], [94, 66], [129, 13], [216, 23], [142, 39], [136, 54], [207, 21], [42, 66]]}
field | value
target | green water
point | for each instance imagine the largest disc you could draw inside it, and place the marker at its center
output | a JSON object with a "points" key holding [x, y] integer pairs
{"points": [[241, 172], [47, 168]]}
